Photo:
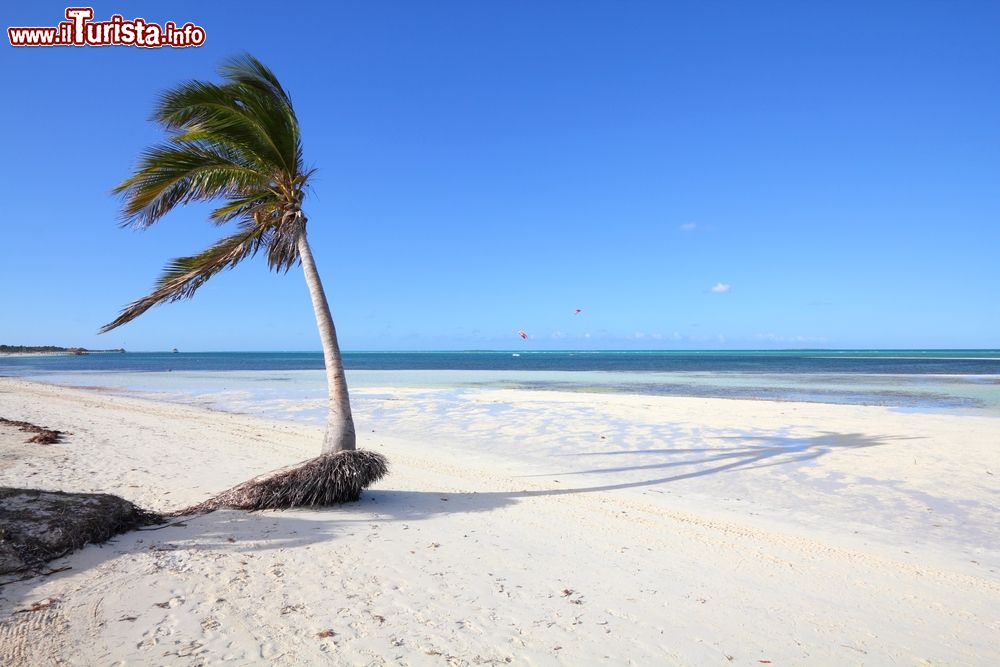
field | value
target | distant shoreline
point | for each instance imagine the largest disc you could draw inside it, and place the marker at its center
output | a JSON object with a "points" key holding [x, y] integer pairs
{"points": [[49, 351], [34, 354]]}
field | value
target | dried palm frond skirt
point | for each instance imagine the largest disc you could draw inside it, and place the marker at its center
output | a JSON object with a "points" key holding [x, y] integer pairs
{"points": [[328, 479]]}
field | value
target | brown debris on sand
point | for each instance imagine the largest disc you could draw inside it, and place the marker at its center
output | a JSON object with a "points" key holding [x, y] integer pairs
{"points": [[328, 479], [43, 436], [37, 526]]}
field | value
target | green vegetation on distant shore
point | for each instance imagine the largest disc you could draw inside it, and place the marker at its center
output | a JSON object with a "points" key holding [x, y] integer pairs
{"points": [[27, 349], [32, 348]]}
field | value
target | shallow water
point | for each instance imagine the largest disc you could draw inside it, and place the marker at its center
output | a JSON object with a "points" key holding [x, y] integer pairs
{"points": [[963, 380]]}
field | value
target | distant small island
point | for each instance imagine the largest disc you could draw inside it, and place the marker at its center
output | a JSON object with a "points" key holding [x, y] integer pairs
{"points": [[51, 349]]}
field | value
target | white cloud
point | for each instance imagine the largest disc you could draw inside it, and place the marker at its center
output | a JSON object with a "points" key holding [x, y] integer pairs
{"points": [[778, 338], [720, 288], [688, 227]]}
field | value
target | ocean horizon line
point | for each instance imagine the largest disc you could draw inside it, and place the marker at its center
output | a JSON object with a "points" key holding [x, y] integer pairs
{"points": [[575, 351]]}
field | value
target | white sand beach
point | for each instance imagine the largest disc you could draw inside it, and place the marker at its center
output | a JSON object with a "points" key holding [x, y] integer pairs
{"points": [[524, 527]]}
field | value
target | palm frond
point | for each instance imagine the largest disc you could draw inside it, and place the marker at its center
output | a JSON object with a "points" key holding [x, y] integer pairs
{"points": [[184, 275], [172, 174], [246, 69], [283, 248], [245, 208], [237, 141], [264, 96], [221, 113]]}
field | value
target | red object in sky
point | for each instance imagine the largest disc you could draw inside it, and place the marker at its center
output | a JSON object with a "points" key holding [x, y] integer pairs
{"points": [[522, 334]]}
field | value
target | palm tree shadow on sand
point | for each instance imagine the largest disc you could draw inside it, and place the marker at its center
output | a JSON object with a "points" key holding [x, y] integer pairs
{"points": [[765, 451], [761, 452], [240, 531], [757, 451]]}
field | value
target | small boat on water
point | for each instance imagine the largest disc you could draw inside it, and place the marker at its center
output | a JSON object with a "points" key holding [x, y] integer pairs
{"points": [[173, 351], [515, 355]]}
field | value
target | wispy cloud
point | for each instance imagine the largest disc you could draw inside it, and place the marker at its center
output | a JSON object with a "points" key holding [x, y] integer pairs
{"points": [[778, 338], [654, 335], [720, 288], [688, 227]]}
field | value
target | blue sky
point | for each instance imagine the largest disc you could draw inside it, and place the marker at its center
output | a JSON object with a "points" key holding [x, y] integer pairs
{"points": [[829, 168]]}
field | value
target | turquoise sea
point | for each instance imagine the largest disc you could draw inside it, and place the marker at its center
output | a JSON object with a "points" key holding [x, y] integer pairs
{"points": [[963, 380]]}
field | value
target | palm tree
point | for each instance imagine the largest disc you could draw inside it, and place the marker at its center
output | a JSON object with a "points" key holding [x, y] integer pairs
{"points": [[239, 142]]}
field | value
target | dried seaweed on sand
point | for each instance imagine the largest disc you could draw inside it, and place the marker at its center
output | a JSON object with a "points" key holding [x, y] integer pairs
{"points": [[43, 436]]}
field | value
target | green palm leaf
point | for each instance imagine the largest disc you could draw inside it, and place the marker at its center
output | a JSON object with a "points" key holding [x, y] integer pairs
{"points": [[183, 276], [238, 142]]}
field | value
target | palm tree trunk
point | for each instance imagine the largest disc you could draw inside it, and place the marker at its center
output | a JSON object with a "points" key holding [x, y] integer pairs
{"points": [[340, 434]]}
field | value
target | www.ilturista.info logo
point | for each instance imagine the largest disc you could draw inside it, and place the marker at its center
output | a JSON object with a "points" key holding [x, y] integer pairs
{"points": [[80, 30]]}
